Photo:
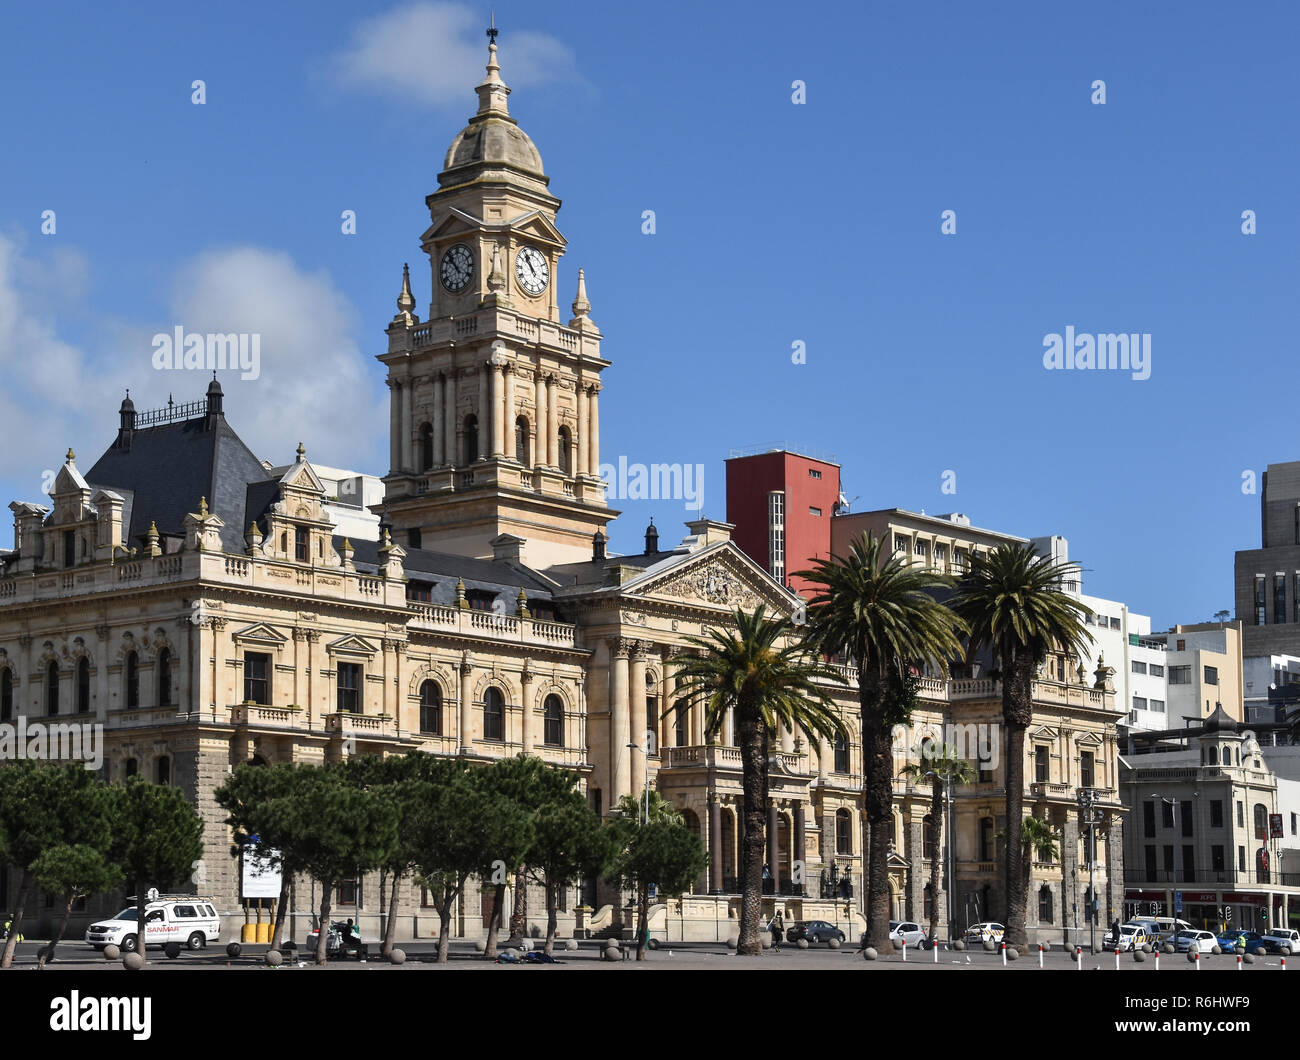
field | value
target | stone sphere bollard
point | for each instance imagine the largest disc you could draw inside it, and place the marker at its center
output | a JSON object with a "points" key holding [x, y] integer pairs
{"points": [[1139, 956], [898, 945], [132, 962], [833, 943], [1146, 947], [173, 950], [1191, 955], [1013, 954], [234, 949], [1248, 958], [612, 952], [274, 958], [1168, 947], [398, 956], [959, 945], [570, 944], [732, 942], [802, 944], [1047, 947], [870, 953], [1075, 954], [765, 941], [990, 946], [480, 946], [111, 952]]}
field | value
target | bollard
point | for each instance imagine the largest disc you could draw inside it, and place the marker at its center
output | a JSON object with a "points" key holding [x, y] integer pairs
{"points": [[1239, 962], [1284, 962], [1197, 962], [1157, 955], [1078, 957], [904, 951], [935, 946], [1040, 955], [1117, 958], [1004, 954]]}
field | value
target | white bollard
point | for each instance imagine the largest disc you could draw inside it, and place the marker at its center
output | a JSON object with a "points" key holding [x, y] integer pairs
{"points": [[1004, 954], [1197, 962], [1239, 962], [1117, 958], [1284, 962], [1040, 955], [1156, 951], [934, 945], [904, 951], [1078, 958]]}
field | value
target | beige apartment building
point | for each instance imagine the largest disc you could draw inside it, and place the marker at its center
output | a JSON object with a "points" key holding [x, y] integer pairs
{"points": [[199, 603]]}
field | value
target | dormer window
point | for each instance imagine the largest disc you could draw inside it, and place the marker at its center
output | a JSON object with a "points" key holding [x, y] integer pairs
{"points": [[301, 549], [480, 599]]}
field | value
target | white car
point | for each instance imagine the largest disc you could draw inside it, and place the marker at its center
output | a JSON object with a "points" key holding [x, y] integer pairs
{"points": [[988, 931], [191, 921], [1131, 936], [1204, 941], [1282, 940], [908, 932]]}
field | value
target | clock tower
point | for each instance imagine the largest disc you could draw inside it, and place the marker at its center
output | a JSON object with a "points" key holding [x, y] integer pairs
{"points": [[494, 399]]}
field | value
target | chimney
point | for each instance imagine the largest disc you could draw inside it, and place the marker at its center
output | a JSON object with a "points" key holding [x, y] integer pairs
{"points": [[126, 425], [215, 397], [598, 540], [651, 538], [508, 548]]}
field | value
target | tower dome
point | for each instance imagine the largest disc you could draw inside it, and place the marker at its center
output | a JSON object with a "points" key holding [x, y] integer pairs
{"points": [[493, 140]]}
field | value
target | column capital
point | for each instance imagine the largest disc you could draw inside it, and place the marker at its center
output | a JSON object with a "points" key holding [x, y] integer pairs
{"points": [[622, 647]]}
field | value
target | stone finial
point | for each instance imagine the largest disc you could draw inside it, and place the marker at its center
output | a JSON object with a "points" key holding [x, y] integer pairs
{"points": [[582, 307], [302, 452], [203, 507], [496, 280], [406, 300], [71, 457], [521, 604], [1103, 674], [151, 540], [492, 92], [461, 601], [345, 553]]}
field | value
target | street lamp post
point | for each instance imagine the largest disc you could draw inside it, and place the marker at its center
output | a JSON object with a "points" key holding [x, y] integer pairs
{"points": [[1088, 813], [645, 755]]}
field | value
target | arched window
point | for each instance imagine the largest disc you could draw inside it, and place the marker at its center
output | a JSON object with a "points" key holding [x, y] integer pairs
{"points": [[841, 754], [83, 686], [163, 770], [52, 688], [132, 680], [431, 708], [553, 721], [471, 439], [1044, 904], [6, 694], [494, 715], [843, 832], [165, 678], [986, 839], [1214, 757], [1261, 821], [426, 447], [564, 450], [521, 440]]}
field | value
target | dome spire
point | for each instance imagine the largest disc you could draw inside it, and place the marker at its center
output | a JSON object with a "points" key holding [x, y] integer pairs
{"points": [[493, 91]]}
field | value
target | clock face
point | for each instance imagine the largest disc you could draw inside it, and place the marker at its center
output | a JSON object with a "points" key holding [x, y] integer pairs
{"points": [[457, 267], [532, 270]]}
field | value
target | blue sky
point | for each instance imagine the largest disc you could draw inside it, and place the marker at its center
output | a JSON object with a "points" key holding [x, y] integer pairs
{"points": [[776, 223]]}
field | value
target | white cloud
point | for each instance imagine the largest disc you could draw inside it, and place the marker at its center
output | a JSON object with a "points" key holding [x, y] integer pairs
{"points": [[433, 53], [316, 385]]}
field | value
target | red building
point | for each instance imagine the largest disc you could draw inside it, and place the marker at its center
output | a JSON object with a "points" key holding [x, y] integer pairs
{"points": [[781, 504]]}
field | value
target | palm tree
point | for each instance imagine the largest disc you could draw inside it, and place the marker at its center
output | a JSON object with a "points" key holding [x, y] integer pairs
{"points": [[880, 613], [1037, 843], [762, 672], [942, 766], [1013, 604]]}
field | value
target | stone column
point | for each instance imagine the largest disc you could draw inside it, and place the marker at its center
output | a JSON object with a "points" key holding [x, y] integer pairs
{"points": [[394, 424], [438, 421], [498, 410], [539, 418], [408, 397], [1072, 915], [401, 705], [465, 720], [219, 694], [1115, 868], [715, 845], [298, 637], [451, 427], [526, 708], [620, 724], [774, 845], [101, 674], [636, 715], [484, 410], [582, 429], [823, 754], [552, 428], [800, 855], [593, 441], [697, 723], [508, 411], [667, 720], [315, 716]]}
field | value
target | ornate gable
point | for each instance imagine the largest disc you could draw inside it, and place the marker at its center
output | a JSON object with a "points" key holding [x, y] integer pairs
{"points": [[721, 577]]}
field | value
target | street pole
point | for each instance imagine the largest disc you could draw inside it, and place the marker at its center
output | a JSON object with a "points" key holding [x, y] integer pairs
{"points": [[947, 835]]}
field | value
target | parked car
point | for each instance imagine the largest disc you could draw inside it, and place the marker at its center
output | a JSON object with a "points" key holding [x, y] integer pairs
{"points": [[988, 931], [1161, 928], [1282, 940], [1205, 941], [191, 921], [813, 931], [1254, 941], [909, 932], [1131, 937]]}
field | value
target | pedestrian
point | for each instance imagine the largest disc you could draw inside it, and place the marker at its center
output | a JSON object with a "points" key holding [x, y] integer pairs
{"points": [[351, 938], [776, 932], [1114, 932]]}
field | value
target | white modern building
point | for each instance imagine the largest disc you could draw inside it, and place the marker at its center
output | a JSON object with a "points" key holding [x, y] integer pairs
{"points": [[1123, 640], [1270, 682]]}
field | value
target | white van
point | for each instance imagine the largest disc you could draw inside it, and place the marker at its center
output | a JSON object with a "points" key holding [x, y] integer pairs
{"points": [[1164, 926], [187, 919]]}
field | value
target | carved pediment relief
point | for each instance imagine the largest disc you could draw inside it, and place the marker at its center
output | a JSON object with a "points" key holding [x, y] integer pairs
{"points": [[725, 579]]}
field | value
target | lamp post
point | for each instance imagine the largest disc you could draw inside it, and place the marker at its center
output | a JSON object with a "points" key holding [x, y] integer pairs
{"points": [[1088, 814], [645, 755]]}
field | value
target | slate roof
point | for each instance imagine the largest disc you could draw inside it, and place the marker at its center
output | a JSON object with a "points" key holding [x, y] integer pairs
{"points": [[441, 570], [168, 468]]}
